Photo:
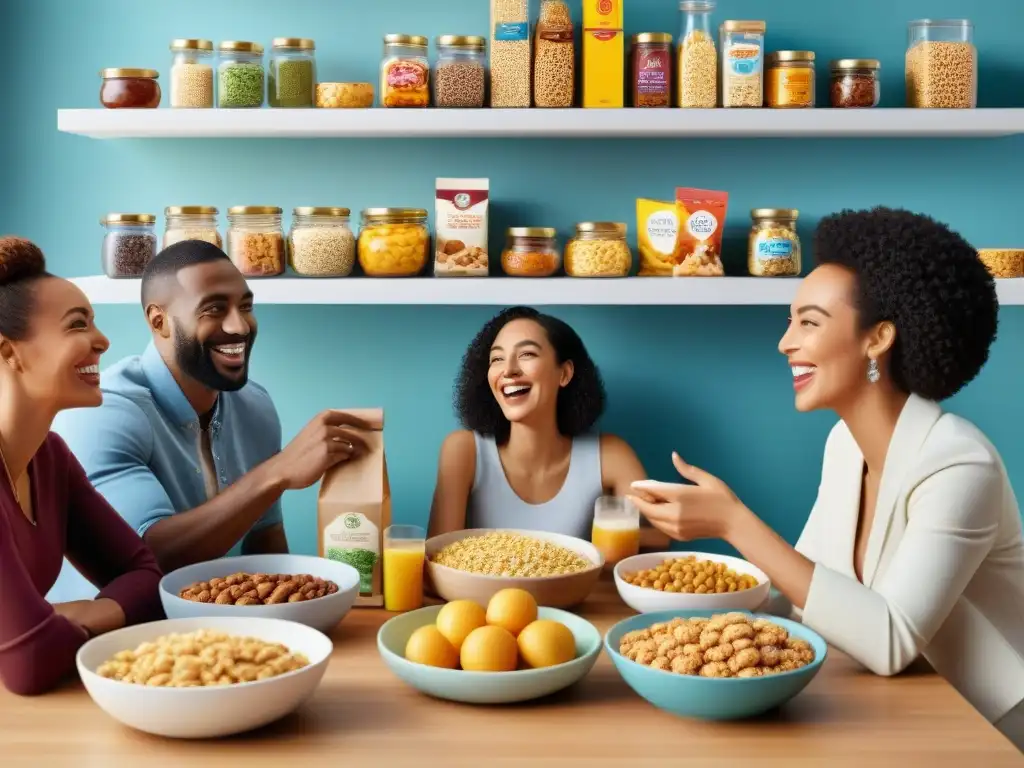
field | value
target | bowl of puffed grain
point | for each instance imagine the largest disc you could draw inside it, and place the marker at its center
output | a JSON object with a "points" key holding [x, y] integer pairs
{"points": [[559, 571]]}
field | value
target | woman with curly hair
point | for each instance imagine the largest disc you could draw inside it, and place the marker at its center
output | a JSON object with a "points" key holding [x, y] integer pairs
{"points": [[49, 360], [528, 394], [914, 545]]}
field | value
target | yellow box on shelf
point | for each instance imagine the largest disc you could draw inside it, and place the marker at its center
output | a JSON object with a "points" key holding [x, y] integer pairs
{"points": [[604, 54]]}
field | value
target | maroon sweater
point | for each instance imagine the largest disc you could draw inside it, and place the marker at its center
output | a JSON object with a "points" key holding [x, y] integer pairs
{"points": [[37, 646]]}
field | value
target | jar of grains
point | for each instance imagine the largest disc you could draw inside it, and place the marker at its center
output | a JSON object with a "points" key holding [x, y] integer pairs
{"points": [[652, 69], [321, 243], [510, 54], [742, 44], [255, 240], [129, 243], [554, 58], [942, 65], [599, 249], [191, 222], [460, 75], [393, 242], [240, 75], [405, 72], [790, 80], [531, 252], [774, 244], [698, 57], [291, 73], [129, 88], [192, 74], [855, 83]]}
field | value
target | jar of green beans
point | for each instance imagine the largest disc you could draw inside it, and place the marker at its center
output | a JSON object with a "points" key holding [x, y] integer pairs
{"points": [[291, 73], [239, 75]]}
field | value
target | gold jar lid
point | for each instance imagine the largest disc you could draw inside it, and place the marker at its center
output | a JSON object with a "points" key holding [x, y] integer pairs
{"points": [[778, 57], [547, 232], [303, 43], [254, 210], [242, 46], [840, 65], [191, 44], [128, 218], [398, 213], [416, 41], [602, 227], [321, 212], [462, 41], [112, 72], [652, 37], [190, 210], [757, 27], [788, 214]]}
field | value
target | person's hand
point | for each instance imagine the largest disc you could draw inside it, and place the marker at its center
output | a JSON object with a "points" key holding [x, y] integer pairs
{"points": [[704, 510], [328, 439], [94, 616]]}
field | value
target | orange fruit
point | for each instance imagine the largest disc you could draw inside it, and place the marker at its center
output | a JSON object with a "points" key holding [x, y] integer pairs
{"points": [[511, 609], [458, 618], [489, 649], [545, 643], [428, 646]]}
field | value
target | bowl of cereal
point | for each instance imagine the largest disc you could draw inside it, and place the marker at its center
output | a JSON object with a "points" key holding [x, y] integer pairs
{"points": [[309, 590], [204, 678], [683, 581], [715, 666], [558, 570]]}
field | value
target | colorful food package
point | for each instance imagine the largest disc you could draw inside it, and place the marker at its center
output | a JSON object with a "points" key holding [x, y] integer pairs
{"points": [[354, 508], [657, 226], [460, 226], [701, 224], [604, 55], [405, 82]]}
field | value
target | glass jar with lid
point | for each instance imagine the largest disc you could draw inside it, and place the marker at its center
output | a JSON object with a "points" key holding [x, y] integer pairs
{"points": [[531, 252], [460, 74], [742, 47], [240, 75], [942, 64], [855, 83], [255, 240], [291, 73], [191, 222], [321, 243], [128, 88], [698, 56], [405, 72], [129, 243], [192, 74], [651, 83], [598, 249], [790, 80], [774, 245], [393, 242]]}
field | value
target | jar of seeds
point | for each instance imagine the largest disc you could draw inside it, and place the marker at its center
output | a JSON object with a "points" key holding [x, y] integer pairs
{"points": [[240, 75], [774, 244], [255, 240], [460, 74], [321, 243], [291, 73], [129, 243], [192, 74], [191, 222]]}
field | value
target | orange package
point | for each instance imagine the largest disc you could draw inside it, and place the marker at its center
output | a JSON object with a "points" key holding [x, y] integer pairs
{"points": [[701, 224]]}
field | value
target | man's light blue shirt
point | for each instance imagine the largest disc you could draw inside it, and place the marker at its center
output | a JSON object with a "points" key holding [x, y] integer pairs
{"points": [[141, 448]]}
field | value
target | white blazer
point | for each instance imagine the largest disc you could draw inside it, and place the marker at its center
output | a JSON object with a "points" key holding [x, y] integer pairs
{"points": [[944, 565]]}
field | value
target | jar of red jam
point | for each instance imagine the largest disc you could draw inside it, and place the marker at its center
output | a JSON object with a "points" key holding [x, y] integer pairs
{"points": [[130, 88]]}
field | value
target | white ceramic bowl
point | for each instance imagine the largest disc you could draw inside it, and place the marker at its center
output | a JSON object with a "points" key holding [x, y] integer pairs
{"points": [[646, 600], [199, 713], [323, 613]]}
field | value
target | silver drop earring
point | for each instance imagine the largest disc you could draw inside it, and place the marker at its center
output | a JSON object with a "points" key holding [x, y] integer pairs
{"points": [[873, 374]]}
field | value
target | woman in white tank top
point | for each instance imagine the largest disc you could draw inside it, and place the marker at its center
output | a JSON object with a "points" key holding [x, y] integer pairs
{"points": [[528, 394]]}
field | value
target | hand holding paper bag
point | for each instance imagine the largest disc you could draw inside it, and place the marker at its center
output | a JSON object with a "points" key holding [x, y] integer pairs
{"points": [[331, 438]]}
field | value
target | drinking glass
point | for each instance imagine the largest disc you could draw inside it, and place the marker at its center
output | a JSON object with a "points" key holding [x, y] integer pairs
{"points": [[404, 557], [616, 531]]}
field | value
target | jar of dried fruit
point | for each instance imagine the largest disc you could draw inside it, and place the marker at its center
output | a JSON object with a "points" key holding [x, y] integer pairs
{"points": [[321, 243], [125, 88], [255, 240], [191, 222], [855, 83], [192, 74], [599, 249], [405, 72], [460, 74], [774, 245], [942, 65], [698, 57], [129, 244], [531, 252], [393, 242], [291, 73]]}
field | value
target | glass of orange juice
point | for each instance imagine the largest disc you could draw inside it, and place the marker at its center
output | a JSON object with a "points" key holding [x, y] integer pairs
{"points": [[404, 556], [616, 531]]}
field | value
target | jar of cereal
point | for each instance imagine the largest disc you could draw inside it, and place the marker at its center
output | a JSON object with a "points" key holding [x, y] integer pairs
{"points": [[192, 74], [405, 72], [531, 252], [129, 243], [942, 65], [774, 244], [599, 249], [321, 243], [742, 51], [460, 75], [393, 242], [191, 222], [255, 240]]}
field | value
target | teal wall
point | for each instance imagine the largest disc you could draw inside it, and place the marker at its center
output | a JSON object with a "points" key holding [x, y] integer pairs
{"points": [[705, 381]]}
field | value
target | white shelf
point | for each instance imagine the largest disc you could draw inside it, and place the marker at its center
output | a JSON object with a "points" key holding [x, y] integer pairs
{"points": [[503, 291], [537, 123]]}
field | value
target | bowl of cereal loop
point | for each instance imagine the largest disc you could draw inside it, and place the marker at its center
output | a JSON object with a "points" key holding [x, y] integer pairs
{"points": [[203, 678], [715, 666], [684, 581], [558, 570]]}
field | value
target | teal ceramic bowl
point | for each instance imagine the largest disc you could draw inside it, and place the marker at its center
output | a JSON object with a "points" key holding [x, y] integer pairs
{"points": [[486, 687], [705, 698]]}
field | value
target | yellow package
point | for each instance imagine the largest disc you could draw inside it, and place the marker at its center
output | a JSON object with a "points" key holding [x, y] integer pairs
{"points": [[657, 226], [603, 14], [604, 55]]}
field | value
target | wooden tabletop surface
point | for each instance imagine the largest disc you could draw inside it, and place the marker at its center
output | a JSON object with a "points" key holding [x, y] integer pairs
{"points": [[361, 712]]}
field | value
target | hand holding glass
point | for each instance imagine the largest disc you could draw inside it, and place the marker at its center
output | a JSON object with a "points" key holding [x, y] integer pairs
{"points": [[404, 556], [616, 531]]}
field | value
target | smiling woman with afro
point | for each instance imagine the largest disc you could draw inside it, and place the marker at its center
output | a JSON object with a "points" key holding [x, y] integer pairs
{"points": [[914, 542]]}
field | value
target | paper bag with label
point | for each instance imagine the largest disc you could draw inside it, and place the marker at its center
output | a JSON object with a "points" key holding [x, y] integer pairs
{"points": [[354, 508]]}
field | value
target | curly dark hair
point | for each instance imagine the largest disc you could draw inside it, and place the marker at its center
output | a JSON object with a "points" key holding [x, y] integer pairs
{"points": [[580, 403], [929, 282]]}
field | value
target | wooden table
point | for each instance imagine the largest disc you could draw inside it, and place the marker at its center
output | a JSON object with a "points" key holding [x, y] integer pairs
{"points": [[363, 716]]}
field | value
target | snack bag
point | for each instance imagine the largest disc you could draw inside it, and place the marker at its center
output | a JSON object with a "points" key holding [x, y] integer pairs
{"points": [[657, 226], [701, 225], [354, 508]]}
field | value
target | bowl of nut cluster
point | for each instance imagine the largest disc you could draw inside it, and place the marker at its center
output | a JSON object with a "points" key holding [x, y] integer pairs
{"points": [[661, 581], [204, 678], [558, 570], [309, 590]]}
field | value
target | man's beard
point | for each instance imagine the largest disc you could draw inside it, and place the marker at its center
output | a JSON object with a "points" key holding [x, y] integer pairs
{"points": [[196, 360]]}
